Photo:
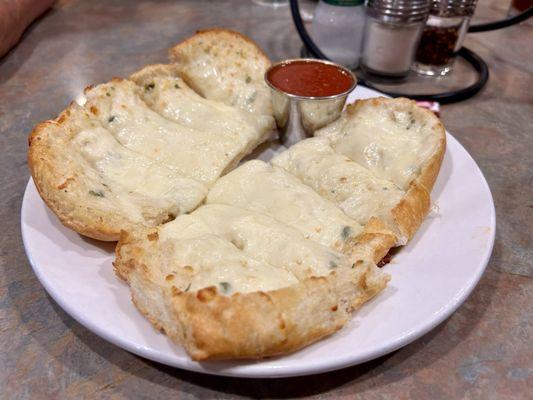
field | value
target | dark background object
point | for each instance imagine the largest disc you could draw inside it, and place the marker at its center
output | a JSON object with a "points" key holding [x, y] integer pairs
{"points": [[447, 97], [503, 23]]}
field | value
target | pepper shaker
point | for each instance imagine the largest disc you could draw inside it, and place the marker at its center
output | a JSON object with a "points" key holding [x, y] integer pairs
{"points": [[443, 36], [392, 33]]}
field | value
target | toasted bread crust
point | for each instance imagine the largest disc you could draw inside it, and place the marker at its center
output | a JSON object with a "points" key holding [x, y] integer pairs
{"points": [[145, 74], [216, 34], [374, 242], [412, 210], [59, 181], [244, 325], [235, 58], [415, 205]]}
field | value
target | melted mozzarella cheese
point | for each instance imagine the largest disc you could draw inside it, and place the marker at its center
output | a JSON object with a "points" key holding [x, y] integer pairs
{"points": [[171, 97], [199, 259], [260, 187], [196, 154], [226, 72], [99, 193], [391, 141], [350, 186], [268, 240], [140, 181]]}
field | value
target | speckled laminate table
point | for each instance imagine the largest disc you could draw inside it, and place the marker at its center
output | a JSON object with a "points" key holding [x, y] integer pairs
{"points": [[483, 351]]}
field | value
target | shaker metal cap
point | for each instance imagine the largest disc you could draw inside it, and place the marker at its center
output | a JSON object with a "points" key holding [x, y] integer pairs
{"points": [[400, 10], [452, 8]]}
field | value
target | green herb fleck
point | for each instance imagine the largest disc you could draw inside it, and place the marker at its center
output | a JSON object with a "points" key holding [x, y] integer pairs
{"points": [[108, 94], [225, 287], [150, 86], [248, 79], [252, 97], [111, 118], [187, 288], [176, 86], [346, 232], [333, 264], [96, 193]]}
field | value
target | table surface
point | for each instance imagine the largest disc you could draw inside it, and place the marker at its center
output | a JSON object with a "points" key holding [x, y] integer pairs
{"points": [[483, 351]]}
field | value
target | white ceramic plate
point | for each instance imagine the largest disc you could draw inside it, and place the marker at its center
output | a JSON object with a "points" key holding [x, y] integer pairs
{"points": [[431, 277]]}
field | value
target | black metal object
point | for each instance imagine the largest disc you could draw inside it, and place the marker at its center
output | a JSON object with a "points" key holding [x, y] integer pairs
{"points": [[503, 23], [447, 97]]}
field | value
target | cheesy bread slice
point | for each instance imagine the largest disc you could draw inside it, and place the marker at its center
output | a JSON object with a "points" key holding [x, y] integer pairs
{"points": [[231, 283], [270, 190], [271, 241], [157, 141], [260, 187], [96, 186], [225, 66], [357, 192], [395, 141], [197, 154], [393, 138], [164, 91], [353, 188]]}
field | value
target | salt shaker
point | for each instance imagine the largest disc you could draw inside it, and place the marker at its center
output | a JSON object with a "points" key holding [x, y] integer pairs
{"points": [[443, 35], [392, 33]]}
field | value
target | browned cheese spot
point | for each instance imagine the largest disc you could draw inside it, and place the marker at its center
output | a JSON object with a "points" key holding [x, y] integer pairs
{"points": [[152, 237], [175, 291], [207, 294], [362, 282], [65, 184]]}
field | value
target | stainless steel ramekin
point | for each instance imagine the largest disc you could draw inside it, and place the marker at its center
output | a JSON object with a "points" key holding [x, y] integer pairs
{"points": [[298, 117]]}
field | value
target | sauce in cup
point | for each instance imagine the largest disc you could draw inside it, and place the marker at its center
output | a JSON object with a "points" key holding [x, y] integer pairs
{"points": [[307, 94], [308, 78]]}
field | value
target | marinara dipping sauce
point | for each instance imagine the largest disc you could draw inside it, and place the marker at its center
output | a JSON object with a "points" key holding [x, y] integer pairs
{"points": [[310, 78]]}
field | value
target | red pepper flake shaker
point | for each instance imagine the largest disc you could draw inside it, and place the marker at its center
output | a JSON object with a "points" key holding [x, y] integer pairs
{"points": [[443, 36]]}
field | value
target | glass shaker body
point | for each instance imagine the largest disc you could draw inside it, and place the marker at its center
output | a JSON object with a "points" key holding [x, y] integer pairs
{"points": [[389, 48], [392, 32], [443, 36], [337, 30]]}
